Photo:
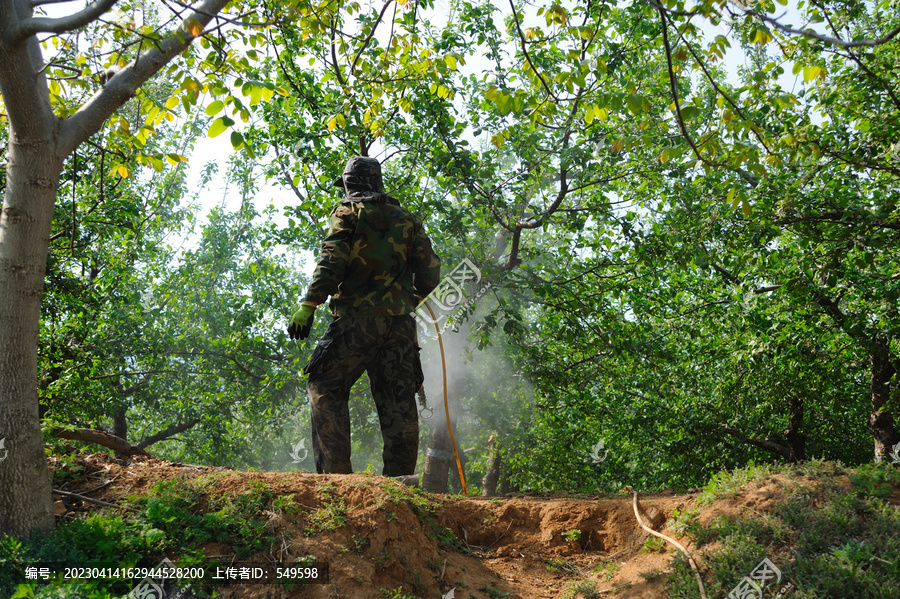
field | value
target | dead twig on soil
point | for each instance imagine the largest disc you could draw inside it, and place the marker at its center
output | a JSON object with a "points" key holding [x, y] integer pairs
{"points": [[103, 486], [615, 588], [674, 542], [500, 537], [97, 501]]}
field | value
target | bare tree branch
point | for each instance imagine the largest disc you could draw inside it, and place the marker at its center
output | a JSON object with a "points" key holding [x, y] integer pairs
{"points": [[22, 30], [824, 38], [525, 52], [169, 431], [368, 39], [674, 88], [34, 3], [97, 501], [90, 117], [770, 446], [105, 439]]}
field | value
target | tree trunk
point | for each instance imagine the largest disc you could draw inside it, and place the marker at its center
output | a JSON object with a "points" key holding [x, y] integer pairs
{"points": [[489, 482], [32, 178], [39, 142], [120, 421], [438, 457], [795, 439], [455, 482], [881, 420]]}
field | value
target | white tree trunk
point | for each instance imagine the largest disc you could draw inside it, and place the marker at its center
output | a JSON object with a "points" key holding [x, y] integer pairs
{"points": [[32, 178], [39, 142]]}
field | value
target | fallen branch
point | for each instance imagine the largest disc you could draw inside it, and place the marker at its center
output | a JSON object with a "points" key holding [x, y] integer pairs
{"points": [[103, 486], [97, 501], [674, 542]]}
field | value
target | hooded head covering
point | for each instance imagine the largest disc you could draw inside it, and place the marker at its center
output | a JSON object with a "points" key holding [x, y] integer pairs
{"points": [[361, 174]]}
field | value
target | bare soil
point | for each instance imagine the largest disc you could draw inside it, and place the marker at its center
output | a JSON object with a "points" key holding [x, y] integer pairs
{"points": [[515, 547]]}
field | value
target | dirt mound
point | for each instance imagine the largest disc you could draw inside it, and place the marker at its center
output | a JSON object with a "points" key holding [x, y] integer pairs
{"points": [[382, 539]]}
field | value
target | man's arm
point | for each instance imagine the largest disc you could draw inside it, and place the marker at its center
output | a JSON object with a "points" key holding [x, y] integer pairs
{"points": [[426, 266], [335, 254]]}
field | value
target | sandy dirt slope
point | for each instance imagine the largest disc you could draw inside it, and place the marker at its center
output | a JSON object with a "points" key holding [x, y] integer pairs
{"points": [[391, 538]]}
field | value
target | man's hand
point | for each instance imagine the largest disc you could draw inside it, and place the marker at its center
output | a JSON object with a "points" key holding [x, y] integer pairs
{"points": [[301, 321]]}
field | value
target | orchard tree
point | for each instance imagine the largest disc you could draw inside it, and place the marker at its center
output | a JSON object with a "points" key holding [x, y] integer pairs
{"points": [[102, 57]]}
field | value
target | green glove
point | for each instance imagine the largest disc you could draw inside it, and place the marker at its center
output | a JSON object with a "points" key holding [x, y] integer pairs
{"points": [[301, 322]]}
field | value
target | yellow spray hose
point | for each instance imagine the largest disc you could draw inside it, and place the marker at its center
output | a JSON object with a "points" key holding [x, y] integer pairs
{"points": [[462, 477]]}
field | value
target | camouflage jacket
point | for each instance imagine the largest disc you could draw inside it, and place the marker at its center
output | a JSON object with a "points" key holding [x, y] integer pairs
{"points": [[375, 258]]}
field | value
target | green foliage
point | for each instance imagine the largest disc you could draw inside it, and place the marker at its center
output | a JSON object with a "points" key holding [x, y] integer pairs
{"points": [[171, 506], [607, 569], [562, 565], [331, 516], [493, 592], [176, 517], [726, 484], [683, 520], [654, 545], [395, 594], [572, 535], [827, 543], [876, 480], [677, 288]]}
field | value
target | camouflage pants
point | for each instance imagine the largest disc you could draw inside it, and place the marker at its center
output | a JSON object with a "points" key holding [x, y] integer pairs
{"points": [[385, 347]]}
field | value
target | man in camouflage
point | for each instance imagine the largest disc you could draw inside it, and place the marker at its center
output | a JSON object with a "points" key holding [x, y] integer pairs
{"points": [[376, 258]]}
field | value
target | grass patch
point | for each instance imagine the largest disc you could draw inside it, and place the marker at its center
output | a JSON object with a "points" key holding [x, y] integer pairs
{"points": [[827, 543], [331, 516], [423, 506], [175, 518], [587, 589], [607, 570]]}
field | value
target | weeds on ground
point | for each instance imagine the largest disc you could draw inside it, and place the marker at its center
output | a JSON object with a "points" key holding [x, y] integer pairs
{"points": [[683, 520], [423, 506], [586, 589], [175, 517], [493, 592], [562, 565], [572, 535], [395, 594], [654, 545], [826, 543], [331, 516], [607, 570]]}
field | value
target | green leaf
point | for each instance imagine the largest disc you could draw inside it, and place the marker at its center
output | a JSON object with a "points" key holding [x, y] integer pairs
{"points": [[689, 112], [215, 108], [635, 103], [811, 72], [219, 125]]}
